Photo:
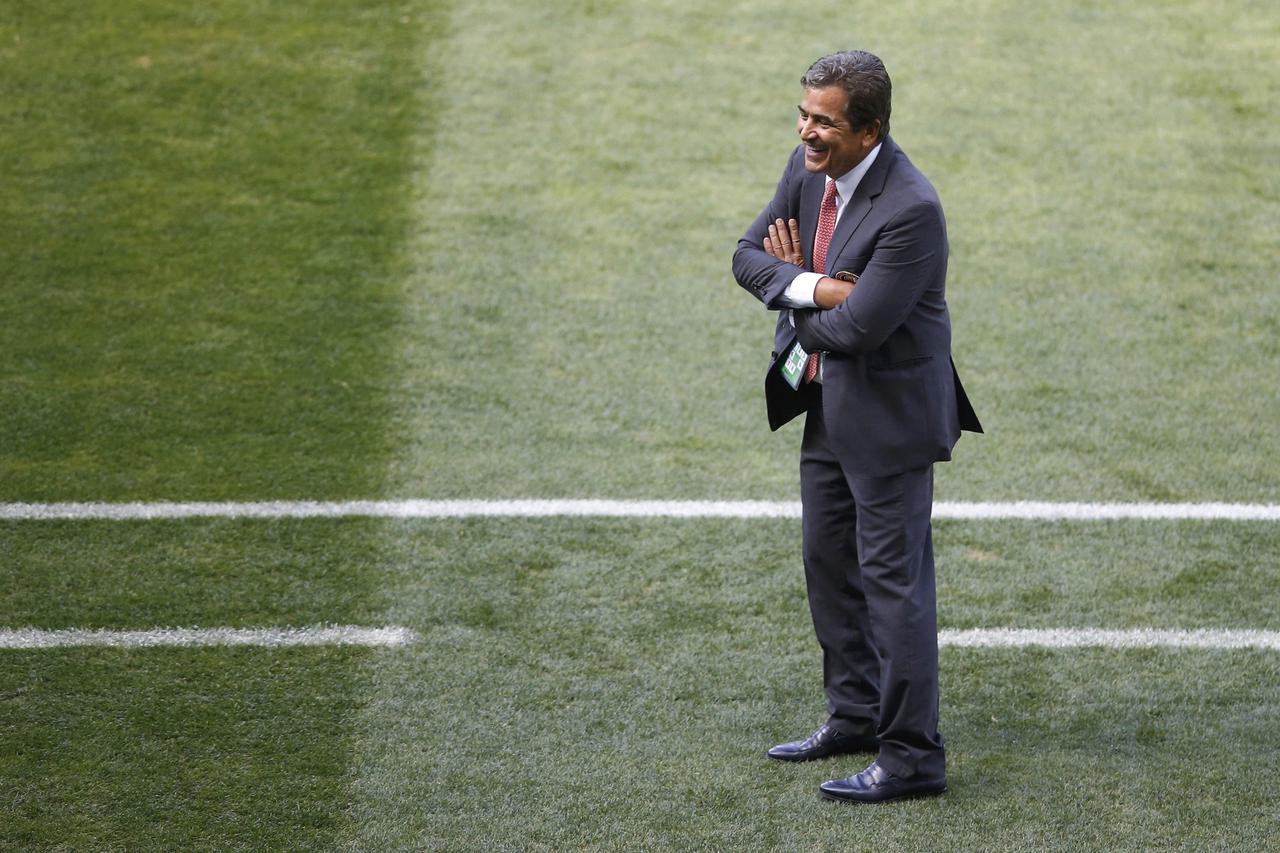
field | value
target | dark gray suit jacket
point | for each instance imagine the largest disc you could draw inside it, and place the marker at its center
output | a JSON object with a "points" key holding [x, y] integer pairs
{"points": [[890, 394]]}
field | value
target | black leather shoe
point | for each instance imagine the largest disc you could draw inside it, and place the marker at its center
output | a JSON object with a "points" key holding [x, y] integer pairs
{"points": [[877, 785], [825, 741]]}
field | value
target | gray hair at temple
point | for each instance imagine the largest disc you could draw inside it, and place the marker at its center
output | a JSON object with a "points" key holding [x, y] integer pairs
{"points": [[864, 79]]}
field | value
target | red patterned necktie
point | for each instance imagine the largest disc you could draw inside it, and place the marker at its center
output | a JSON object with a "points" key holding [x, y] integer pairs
{"points": [[826, 227]]}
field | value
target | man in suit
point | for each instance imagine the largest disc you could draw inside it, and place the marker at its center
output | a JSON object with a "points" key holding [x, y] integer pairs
{"points": [[852, 253]]}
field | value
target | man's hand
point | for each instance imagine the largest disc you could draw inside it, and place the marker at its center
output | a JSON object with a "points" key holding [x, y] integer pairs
{"points": [[783, 242]]}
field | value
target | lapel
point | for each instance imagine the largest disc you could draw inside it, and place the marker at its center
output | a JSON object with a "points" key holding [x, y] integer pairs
{"points": [[871, 185]]}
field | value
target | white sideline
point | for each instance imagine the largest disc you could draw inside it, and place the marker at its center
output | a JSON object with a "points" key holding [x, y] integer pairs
{"points": [[314, 635], [1021, 510], [1139, 638], [350, 635]]}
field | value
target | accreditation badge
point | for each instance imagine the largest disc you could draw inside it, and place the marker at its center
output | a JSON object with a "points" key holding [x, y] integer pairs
{"points": [[793, 368]]}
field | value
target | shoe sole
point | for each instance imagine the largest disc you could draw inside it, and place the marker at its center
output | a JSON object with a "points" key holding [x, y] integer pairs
{"points": [[825, 755], [909, 795], [798, 758]]}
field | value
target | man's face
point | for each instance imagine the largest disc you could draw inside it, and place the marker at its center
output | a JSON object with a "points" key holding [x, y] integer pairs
{"points": [[831, 145]]}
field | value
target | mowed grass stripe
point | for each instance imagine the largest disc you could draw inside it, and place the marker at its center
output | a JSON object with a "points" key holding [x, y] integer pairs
{"points": [[203, 286], [205, 212], [1024, 510], [314, 635]]}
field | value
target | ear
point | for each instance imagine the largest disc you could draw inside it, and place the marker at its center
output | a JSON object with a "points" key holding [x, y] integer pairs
{"points": [[871, 135]]}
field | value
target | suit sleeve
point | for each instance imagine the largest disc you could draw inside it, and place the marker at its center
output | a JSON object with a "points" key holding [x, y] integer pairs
{"points": [[903, 265], [759, 273]]}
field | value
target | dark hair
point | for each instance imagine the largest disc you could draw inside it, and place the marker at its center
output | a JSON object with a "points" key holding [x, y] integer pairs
{"points": [[864, 79]]}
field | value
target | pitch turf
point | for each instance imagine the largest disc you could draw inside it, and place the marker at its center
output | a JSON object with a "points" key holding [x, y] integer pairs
{"points": [[350, 250]]}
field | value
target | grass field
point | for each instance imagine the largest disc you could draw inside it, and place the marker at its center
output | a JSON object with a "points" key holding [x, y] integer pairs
{"points": [[334, 249]]}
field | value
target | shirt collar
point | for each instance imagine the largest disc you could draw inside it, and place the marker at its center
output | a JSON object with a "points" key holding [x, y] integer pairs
{"points": [[847, 183]]}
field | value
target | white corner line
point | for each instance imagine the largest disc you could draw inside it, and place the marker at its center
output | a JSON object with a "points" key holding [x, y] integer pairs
{"points": [[1138, 638], [314, 635], [427, 509]]}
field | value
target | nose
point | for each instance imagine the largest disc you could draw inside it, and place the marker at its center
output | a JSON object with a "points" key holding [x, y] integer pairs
{"points": [[805, 128]]}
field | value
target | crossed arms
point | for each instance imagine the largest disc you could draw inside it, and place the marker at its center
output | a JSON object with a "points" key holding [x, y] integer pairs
{"points": [[907, 266], [783, 243]]}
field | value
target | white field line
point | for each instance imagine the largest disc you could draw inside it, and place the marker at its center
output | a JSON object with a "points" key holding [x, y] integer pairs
{"points": [[349, 635], [1139, 638], [1023, 510], [315, 635]]}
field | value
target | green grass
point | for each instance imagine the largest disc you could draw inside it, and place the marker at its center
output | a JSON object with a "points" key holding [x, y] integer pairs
{"points": [[612, 685], [1112, 199], [179, 748], [464, 260], [167, 749], [236, 573], [361, 250], [205, 207]]}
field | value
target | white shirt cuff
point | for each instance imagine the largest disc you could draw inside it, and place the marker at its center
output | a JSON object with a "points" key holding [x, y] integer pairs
{"points": [[799, 293]]}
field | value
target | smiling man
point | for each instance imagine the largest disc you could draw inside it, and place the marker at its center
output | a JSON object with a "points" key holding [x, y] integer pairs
{"points": [[852, 254]]}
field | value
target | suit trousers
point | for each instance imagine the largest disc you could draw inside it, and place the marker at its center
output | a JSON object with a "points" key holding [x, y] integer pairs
{"points": [[868, 560]]}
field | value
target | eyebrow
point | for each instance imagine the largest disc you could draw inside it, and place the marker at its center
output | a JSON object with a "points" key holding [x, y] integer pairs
{"points": [[818, 116]]}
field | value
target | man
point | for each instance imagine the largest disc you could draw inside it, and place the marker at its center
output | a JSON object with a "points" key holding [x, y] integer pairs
{"points": [[852, 253]]}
